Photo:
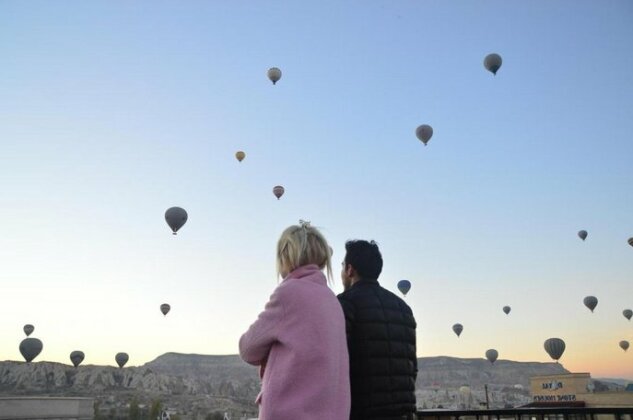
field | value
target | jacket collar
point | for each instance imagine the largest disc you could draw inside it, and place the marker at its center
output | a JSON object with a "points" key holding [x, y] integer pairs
{"points": [[310, 272], [366, 282]]}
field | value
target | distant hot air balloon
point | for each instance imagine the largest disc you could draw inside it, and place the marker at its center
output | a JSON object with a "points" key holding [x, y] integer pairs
{"points": [[458, 328], [404, 286], [121, 359], [492, 355], [507, 309], [630, 241], [164, 308], [582, 234], [28, 329], [175, 218], [424, 133], [76, 357], [279, 191], [555, 347], [492, 63], [30, 348], [624, 344], [590, 302], [274, 74], [240, 155], [627, 314]]}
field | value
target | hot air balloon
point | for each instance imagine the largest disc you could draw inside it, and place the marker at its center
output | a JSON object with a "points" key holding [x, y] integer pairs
{"points": [[30, 348], [164, 308], [28, 329], [555, 347], [492, 63], [274, 74], [279, 191], [630, 241], [492, 355], [121, 359], [404, 286], [175, 218], [507, 309], [624, 345], [458, 328], [424, 133], [627, 314], [590, 302], [76, 357], [582, 234], [240, 155]]}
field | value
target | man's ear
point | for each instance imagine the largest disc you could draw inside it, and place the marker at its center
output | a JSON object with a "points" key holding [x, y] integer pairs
{"points": [[349, 271]]}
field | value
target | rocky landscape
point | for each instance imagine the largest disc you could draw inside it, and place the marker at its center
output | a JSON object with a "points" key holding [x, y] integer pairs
{"points": [[193, 386]]}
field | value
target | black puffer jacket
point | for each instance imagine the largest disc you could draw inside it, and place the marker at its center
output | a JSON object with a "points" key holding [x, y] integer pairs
{"points": [[382, 351]]}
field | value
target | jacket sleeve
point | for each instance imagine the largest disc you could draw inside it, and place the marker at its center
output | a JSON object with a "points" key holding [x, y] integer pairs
{"points": [[349, 312], [255, 343]]}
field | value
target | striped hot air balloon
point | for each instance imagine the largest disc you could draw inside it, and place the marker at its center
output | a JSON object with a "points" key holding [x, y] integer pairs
{"points": [[555, 347]]}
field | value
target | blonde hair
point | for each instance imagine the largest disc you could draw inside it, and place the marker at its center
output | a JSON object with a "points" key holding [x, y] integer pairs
{"points": [[301, 245]]}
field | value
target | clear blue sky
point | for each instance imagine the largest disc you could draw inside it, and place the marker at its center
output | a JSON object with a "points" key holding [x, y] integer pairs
{"points": [[111, 112]]}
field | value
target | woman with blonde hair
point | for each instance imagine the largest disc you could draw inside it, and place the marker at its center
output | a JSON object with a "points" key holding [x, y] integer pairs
{"points": [[299, 340]]}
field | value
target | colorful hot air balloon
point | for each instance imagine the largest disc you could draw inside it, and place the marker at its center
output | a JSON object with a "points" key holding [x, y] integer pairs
{"points": [[164, 308], [458, 328], [492, 355], [121, 359], [624, 345], [555, 347], [424, 133], [28, 329], [507, 309], [240, 155], [582, 234], [30, 348], [76, 357], [404, 286], [176, 217], [274, 74], [492, 63], [590, 302], [627, 314], [279, 191]]}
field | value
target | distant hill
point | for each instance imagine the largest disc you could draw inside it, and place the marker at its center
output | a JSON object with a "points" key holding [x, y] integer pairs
{"points": [[194, 384], [451, 372]]}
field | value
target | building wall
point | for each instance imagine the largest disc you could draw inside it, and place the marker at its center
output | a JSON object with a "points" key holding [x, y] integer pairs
{"points": [[559, 388], [575, 387], [49, 408]]}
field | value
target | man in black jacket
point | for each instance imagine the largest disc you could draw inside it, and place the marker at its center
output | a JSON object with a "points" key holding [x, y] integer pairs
{"points": [[380, 339]]}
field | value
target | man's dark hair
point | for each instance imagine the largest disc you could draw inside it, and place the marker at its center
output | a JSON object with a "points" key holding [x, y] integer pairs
{"points": [[364, 257]]}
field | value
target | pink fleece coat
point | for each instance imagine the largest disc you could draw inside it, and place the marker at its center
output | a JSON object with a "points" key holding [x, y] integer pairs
{"points": [[300, 338]]}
